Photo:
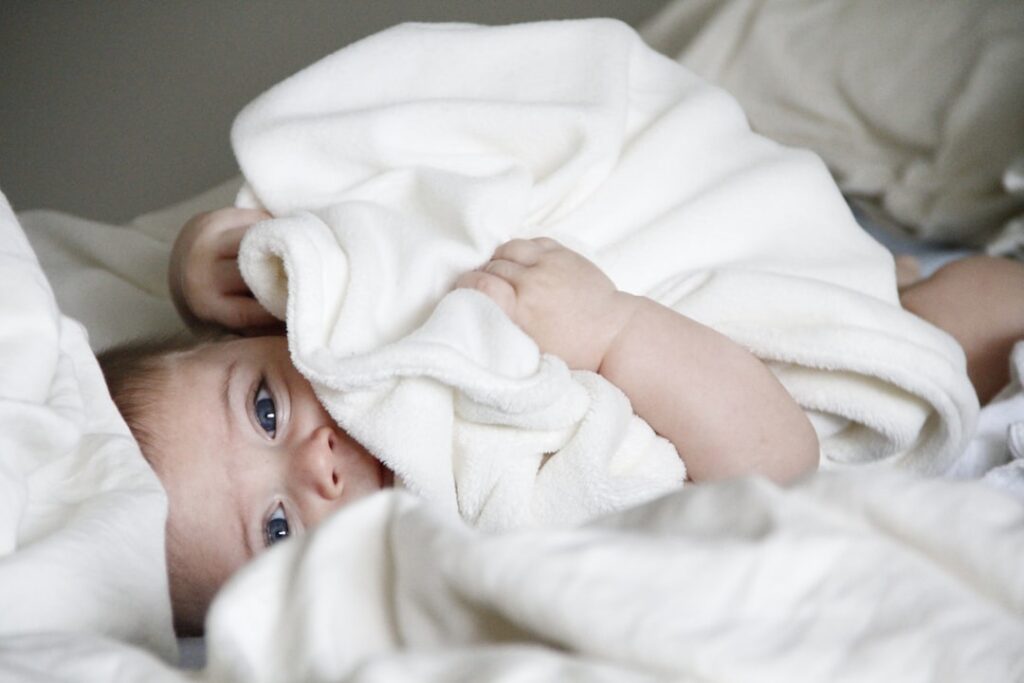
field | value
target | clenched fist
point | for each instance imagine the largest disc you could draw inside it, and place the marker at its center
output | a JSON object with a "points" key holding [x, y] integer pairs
{"points": [[558, 297], [203, 274]]}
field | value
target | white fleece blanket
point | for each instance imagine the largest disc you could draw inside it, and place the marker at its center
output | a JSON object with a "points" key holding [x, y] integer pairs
{"points": [[81, 513], [851, 577], [403, 160]]}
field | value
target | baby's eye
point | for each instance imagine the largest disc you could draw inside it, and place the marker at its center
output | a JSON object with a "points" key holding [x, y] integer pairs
{"points": [[276, 528], [266, 411]]}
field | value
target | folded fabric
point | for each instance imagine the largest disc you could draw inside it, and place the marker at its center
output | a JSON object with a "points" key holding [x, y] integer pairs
{"points": [[81, 513], [839, 578], [113, 278], [403, 160], [996, 451], [1010, 240], [915, 105]]}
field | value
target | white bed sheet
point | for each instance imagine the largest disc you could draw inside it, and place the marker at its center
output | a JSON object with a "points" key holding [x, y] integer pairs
{"points": [[113, 278]]}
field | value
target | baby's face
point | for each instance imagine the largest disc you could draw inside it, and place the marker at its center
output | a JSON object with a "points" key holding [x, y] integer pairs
{"points": [[248, 457]]}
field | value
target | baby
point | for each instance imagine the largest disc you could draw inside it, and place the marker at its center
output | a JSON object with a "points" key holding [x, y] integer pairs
{"points": [[249, 456]]}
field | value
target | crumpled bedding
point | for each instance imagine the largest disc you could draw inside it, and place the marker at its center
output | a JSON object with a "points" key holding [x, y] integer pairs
{"points": [[844, 577], [914, 105], [388, 188], [81, 513], [113, 278], [961, 621]]}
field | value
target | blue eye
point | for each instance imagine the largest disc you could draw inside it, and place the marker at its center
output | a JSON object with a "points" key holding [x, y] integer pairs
{"points": [[276, 528], [265, 410]]}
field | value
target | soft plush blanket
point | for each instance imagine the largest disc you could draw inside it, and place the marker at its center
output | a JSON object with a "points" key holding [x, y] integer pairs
{"points": [[405, 159], [468, 136], [81, 513], [845, 577], [113, 278]]}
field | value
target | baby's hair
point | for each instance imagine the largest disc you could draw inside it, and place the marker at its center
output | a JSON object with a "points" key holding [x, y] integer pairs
{"points": [[135, 371]]}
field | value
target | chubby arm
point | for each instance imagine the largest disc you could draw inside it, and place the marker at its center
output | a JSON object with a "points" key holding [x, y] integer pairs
{"points": [[724, 411]]}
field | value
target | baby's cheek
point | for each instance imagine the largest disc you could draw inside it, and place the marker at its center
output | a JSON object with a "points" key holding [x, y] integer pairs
{"points": [[363, 475]]}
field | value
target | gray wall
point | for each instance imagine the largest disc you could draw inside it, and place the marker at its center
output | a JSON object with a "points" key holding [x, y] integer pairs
{"points": [[111, 108]]}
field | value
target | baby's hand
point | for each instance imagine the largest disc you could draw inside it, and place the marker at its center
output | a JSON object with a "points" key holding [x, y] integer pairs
{"points": [[203, 274], [562, 300]]}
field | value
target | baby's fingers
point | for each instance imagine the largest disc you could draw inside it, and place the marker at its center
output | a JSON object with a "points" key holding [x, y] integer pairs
{"points": [[227, 279], [228, 241], [509, 271], [498, 289], [243, 312], [526, 252], [232, 226]]}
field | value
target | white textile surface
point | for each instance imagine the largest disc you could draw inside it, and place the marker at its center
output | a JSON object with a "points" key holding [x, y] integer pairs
{"points": [[996, 452], [81, 513], [387, 188], [852, 578], [915, 105], [113, 278], [844, 577], [79, 658]]}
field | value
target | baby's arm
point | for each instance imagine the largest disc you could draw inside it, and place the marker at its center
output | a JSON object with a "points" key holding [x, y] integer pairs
{"points": [[724, 411], [203, 275]]}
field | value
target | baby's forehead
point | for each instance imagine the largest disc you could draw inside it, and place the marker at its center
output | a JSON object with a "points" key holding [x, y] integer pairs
{"points": [[204, 372], [215, 354]]}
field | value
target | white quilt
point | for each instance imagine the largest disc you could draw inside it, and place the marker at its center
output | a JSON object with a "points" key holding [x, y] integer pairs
{"points": [[81, 513], [846, 577], [403, 160]]}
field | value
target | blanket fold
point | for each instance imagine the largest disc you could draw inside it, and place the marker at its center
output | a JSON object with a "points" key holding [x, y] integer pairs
{"points": [[81, 513], [857, 577], [403, 160]]}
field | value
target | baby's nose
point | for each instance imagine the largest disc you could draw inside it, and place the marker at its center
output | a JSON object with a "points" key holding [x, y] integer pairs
{"points": [[319, 463]]}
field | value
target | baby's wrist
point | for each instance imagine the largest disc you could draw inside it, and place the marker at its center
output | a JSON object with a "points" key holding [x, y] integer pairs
{"points": [[623, 310]]}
